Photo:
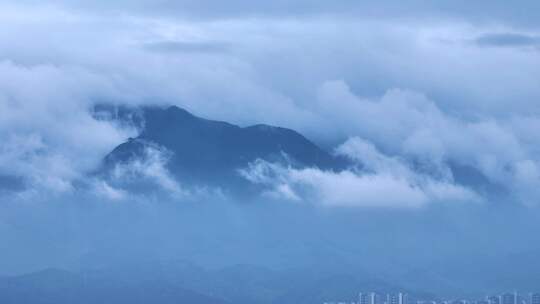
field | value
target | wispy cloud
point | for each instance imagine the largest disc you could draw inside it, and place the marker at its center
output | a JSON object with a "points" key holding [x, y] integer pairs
{"points": [[378, 181], [150, 167]]}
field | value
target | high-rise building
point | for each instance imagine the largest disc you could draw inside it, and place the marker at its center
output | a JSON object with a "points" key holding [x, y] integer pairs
{"points": [[535, 298], [494, 300], [392, 298], [509, 298], [403, 298], [374, 298], [363, 298], [399, 298]]}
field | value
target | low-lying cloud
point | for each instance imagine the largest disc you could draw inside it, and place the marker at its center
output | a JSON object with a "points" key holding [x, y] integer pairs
{"points": [[376, 180], [410, 126], [49, 137]]}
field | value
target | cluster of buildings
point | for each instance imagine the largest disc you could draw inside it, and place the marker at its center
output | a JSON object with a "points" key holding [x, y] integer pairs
{"points": [[375, 298], [402, 298], [505, 298]]}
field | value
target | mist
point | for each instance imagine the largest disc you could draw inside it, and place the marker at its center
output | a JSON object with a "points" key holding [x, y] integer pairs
{"points": [[81, 232]]}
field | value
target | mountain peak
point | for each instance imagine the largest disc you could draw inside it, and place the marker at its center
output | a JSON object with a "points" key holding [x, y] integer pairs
{"points": [[180, 112]]}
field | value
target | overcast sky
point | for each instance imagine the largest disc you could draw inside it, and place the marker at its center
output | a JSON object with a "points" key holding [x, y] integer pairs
{"points": [[455, 81]]}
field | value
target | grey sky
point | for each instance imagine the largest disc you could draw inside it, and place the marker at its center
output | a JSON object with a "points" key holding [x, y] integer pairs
{"points": [[521, 13]]}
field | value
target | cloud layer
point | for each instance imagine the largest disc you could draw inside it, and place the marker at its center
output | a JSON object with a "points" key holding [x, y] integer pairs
{"points": [[418, 91]]}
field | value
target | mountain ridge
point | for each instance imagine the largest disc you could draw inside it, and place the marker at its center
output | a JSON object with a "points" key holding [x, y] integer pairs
{"points": [[209, 152]]}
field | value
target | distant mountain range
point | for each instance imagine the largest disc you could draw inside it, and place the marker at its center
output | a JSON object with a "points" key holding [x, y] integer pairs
{"points": [[181, 282], [167, 282], [53, 286]]}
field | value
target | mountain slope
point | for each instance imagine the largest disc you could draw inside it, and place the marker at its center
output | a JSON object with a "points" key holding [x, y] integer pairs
{"points": [[208, 152]]}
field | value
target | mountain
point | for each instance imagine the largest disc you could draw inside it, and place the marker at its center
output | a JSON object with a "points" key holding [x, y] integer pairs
{"points": [[208, 152], [477, 275], [172, 282], [203, 152], [54, 286]]}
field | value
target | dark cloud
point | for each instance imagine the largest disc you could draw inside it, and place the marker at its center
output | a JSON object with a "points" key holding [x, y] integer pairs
{"points": [[521, 13], [10, 183], [508, 40]]}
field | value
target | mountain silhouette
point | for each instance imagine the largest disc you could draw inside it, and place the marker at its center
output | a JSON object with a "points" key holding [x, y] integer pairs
{"points": [[208, 152]]}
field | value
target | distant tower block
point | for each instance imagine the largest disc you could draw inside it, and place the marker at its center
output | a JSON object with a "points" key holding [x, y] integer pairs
{"points": [[509, 298], [374, 298], [363, 298], [494, 300], [399, 298]]}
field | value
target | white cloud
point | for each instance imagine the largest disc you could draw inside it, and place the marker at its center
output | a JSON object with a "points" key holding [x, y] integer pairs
{"points": [[103, 189], [152, 166], [57, 61], [378, 181], [414, 129], [49, 137]]}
